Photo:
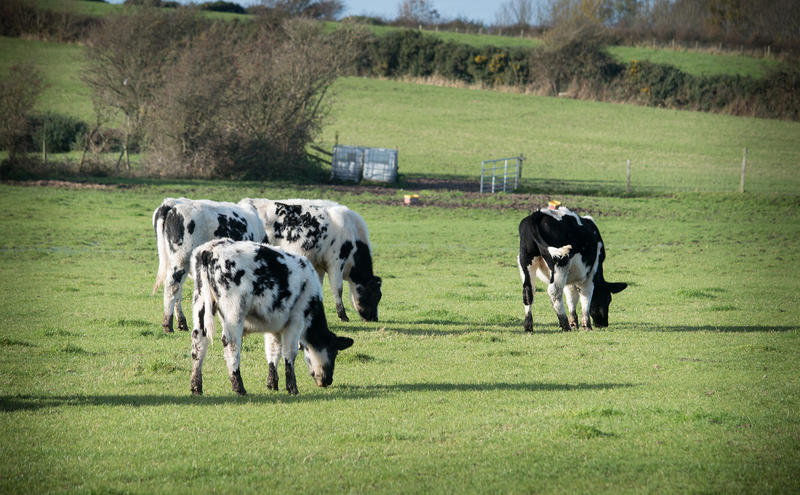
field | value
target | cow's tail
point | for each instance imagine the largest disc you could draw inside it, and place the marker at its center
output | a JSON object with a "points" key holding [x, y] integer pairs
{"points": [[161, 244], [204, 294]]}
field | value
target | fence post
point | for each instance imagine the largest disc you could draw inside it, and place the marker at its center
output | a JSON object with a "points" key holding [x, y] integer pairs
{"points": [[628, 179], [744, 166], [44, 142], [505, 175]]}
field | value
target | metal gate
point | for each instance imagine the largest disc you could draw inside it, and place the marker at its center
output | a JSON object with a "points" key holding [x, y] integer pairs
{"points": [[353, 163], [507, 174]]}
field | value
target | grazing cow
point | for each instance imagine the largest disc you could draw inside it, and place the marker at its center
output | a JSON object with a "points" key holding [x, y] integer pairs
{"points": [[335, 240], [258, 288], [183, 224], [565, 251]]}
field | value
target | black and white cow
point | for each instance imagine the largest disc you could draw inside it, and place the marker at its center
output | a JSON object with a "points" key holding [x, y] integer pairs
{"points": [[336, 241], [565, 251], [254, 287], [183, 224]]}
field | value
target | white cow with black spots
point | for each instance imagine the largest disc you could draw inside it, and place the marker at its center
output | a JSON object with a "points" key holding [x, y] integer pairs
{"points": [[336, 241], [254, 287], [183, 224], [566, 252]]}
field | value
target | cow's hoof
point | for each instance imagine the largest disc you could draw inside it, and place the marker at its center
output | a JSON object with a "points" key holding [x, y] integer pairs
{"points": [[272, 378], [168, 329], [292, 390], [236, 383], [183, 326], [528, 323], [197, 389]]}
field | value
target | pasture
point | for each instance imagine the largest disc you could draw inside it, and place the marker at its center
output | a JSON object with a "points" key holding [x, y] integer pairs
{"points": [[564, 140], [693, 387]]}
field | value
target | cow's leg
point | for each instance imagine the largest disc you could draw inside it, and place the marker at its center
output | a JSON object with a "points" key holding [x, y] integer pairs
{"points": [[337, 283], [527, 290], [289, 342], [232, 330], [571, 296], [587, 290], [172, 291], [272, 348], [199, 347], [182, 324], [556, 292]]}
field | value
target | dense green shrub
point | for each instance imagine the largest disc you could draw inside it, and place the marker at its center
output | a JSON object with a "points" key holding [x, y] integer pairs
{"points": [[453, 61], [60, 132], [412, 53], [25, 18], [222, 6]]}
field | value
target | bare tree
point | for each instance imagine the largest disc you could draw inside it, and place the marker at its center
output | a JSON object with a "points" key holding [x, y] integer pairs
{"points": [[315, 9], [189, 111], [18, 94], [127, 58], [515, 13], [414, 12], [280, 92]]}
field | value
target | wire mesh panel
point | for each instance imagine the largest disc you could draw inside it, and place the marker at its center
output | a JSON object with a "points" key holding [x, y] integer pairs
{"points": [[380, 165], [352, 163], [503, 173], [347, 163]]}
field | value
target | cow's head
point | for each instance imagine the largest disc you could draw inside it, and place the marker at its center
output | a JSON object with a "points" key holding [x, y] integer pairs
{"points": [[601, 300], [365, 287], [320, 346], [321, 359], [365, 297]]}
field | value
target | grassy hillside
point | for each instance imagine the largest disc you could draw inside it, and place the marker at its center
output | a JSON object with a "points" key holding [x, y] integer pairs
{"points": [[698, 63], [693, 387], [60, 65], [448, 131]]}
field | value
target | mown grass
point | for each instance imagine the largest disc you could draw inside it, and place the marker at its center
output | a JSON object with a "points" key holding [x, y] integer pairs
{"points": [[446, 393]]}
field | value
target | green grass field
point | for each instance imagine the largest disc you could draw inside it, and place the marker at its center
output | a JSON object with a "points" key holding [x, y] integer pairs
{"points": [[693, 387]]}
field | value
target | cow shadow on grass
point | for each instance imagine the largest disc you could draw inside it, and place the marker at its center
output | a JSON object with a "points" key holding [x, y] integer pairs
{"points": [[444, 327], [649, 327], [342, 392]]}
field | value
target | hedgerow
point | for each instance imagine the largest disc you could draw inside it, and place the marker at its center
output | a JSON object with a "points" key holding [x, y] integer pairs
{"points": [[580, 67]]}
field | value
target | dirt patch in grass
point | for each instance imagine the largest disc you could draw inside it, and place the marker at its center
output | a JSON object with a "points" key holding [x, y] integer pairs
{"points": [[65, 184]]}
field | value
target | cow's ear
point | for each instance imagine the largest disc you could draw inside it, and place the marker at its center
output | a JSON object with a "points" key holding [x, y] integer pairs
{"points": [[614, 287], [343, 343]]}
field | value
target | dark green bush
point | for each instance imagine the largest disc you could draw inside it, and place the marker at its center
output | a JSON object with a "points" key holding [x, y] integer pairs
{"points": [[577, 60], [60, 132], [453, 60], [222, 6]]}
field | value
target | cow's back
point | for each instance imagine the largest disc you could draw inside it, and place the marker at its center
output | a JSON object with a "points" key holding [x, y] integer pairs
{"points": [[265, 283]]}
